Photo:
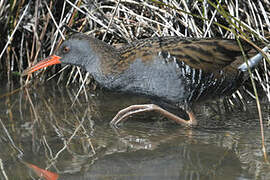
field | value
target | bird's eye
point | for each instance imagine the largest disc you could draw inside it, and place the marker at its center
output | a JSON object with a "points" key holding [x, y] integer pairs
{"points": [[66, 49]]}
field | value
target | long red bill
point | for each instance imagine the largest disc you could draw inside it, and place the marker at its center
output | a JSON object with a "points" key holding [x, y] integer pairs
{"points": [[51, 60]]}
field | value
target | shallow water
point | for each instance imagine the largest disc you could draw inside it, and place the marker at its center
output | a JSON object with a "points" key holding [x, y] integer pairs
{"points": [[44, 125]]}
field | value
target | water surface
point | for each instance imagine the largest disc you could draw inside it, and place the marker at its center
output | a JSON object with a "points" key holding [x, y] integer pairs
{"points": [[45, 125]]}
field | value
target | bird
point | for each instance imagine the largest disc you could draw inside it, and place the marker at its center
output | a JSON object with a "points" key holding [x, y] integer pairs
{"points": [[171, 70]]}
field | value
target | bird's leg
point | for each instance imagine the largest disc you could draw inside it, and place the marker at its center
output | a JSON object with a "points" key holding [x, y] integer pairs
{"points": [[134, 109]]}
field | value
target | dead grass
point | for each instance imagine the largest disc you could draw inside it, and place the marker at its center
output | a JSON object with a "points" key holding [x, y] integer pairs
{"points": [[32, 31]]}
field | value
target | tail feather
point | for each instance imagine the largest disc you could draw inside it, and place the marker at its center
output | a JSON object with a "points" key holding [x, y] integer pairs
{"points": [[252, 62]]}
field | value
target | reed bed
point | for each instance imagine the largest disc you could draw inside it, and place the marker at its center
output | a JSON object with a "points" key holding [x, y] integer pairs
{"points": [[32, 30]]}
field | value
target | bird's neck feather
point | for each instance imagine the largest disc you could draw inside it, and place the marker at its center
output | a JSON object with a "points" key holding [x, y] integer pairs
{"points": [[103, 59]]}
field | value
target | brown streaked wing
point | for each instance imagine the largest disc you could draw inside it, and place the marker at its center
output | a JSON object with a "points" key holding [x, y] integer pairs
{"points": [[208, 54]]}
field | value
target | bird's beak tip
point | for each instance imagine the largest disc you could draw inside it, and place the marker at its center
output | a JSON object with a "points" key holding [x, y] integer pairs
{"points": [[51, 60]]}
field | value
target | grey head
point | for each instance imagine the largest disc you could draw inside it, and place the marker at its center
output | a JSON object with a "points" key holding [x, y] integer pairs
{"points": [[78, 50]]}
